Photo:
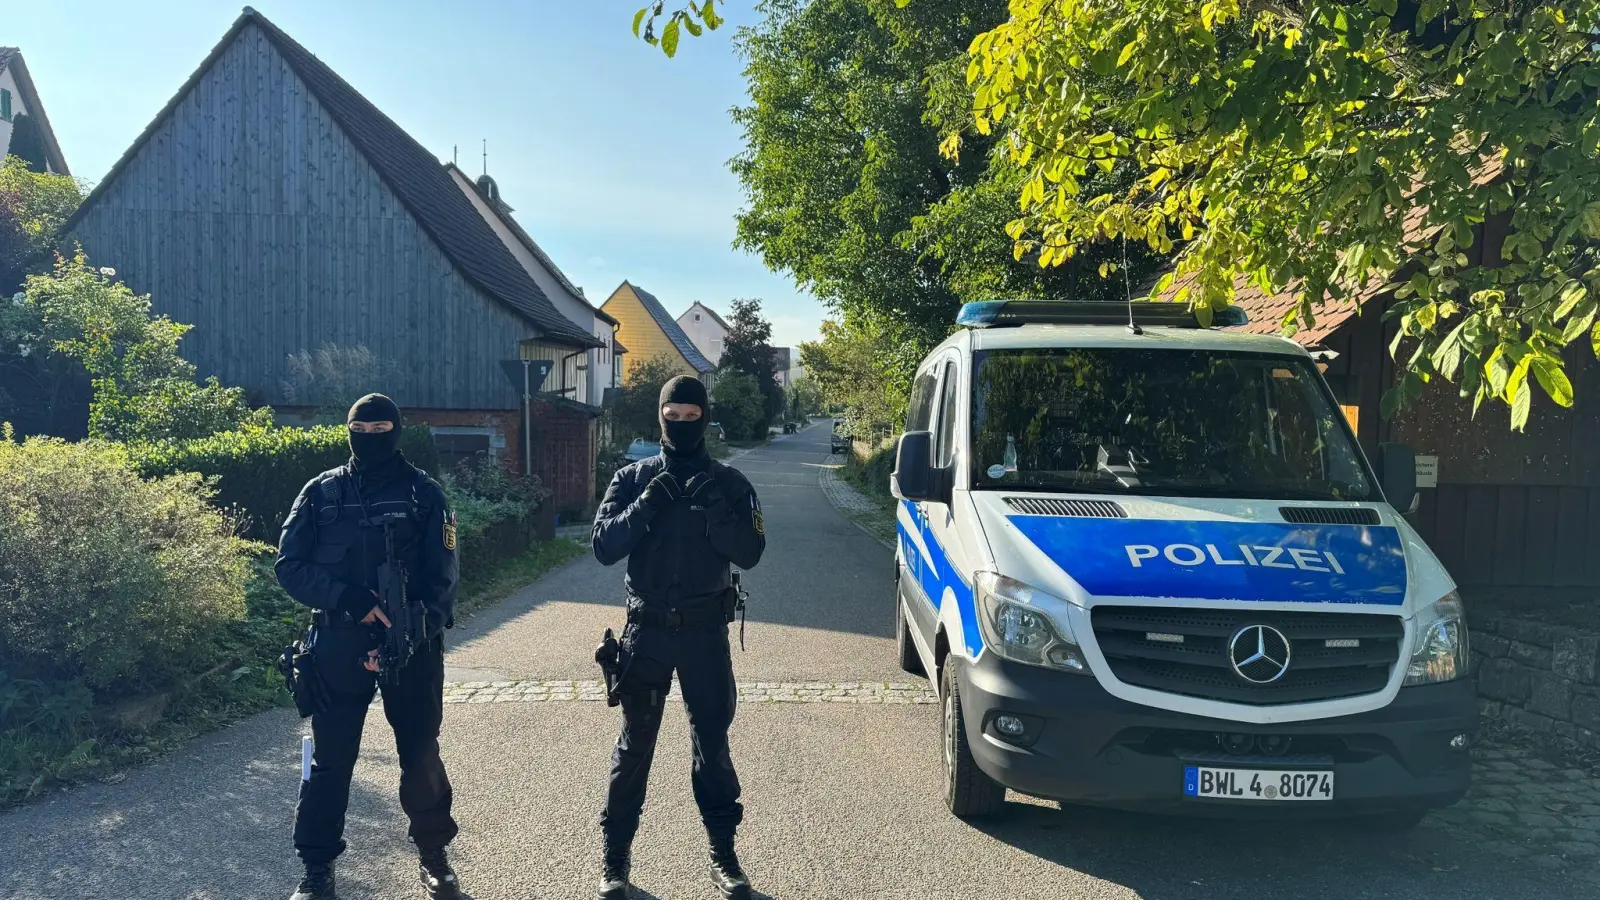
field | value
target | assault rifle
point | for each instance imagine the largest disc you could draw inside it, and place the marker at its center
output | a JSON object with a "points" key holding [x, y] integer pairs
{"points": [[408, 619]]}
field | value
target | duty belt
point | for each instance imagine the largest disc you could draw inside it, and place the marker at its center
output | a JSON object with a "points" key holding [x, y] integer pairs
{"points": [[677, 618]]}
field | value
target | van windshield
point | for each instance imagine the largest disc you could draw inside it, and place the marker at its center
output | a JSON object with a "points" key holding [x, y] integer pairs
{"points": [[1192, 423]]}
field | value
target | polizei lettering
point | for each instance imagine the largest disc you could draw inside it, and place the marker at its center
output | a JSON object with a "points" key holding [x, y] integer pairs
{"points": [[1300, 558]]}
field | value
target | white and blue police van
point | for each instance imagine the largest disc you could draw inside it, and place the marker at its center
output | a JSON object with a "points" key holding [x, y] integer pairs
{"points": [[1147, 566]]}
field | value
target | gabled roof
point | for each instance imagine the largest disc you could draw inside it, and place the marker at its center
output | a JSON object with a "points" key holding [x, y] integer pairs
{"points": [[11, 58], [415, 176], [714, 317], [503, 212], [670, 327]]}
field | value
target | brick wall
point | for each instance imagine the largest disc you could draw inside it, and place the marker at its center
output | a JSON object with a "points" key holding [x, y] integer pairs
{"points": [[1545, 678], [564, 445]]}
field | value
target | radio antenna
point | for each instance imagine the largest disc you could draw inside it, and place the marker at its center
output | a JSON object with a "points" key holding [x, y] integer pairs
{"points": [[1127, 286]]}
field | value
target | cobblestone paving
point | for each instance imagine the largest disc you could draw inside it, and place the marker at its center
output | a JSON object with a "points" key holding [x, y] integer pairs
{"points": [[869, 515], [592, 691], [1525, 807]]}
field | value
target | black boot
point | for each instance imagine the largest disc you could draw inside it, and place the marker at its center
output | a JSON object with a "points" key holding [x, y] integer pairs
{"points": [[318, 883], [438, 879], [614, 870], [726, 873]]}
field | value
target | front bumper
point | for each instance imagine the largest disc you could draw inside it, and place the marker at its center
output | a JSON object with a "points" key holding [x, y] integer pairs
{"points": [[1085, 746]]}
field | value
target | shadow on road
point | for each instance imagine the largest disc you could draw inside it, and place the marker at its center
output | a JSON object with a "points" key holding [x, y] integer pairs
{"points": [[1172, 858]]}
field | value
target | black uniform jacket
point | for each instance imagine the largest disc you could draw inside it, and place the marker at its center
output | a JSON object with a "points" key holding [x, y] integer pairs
{"points": [[328, 560], [679, 556]]}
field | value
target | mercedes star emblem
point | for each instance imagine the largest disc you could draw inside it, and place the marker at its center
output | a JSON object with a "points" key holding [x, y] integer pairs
{"points": [[1259, 653]]}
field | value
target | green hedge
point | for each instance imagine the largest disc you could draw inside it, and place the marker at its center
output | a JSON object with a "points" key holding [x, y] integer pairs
{"points": [[260, 471], [871, 475]]}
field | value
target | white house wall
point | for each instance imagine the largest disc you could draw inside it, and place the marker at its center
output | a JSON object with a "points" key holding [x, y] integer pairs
{"points": [[707, 335], [594, 376]]}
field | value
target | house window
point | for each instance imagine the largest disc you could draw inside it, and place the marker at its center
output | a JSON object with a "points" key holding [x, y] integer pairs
{"points": [[5, 104], [697, 317], [457, 445]]}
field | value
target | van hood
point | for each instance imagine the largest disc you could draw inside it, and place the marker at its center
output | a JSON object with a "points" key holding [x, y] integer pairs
{"points": [[1209, 552]]}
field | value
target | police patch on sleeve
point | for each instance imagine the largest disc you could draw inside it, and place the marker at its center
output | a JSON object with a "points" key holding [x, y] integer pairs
{"points": [[755, 515], [449, 531]]}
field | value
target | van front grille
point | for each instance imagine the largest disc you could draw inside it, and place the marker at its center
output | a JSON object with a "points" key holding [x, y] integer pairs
{"points": [[1185, 651]]}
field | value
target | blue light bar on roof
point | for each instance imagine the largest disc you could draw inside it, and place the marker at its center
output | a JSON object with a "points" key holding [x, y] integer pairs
{"points": [[1012, 313]]}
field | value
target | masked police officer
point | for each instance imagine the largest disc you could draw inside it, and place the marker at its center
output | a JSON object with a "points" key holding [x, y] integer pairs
{"points": [[328, 558], [679, 519]]}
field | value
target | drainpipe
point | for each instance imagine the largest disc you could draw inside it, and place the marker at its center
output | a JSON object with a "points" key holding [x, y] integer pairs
{"points": [[527, 419]]}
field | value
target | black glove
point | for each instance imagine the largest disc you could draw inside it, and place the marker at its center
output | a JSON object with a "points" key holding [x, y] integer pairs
{"points": [[357, 601], [703, 489], [662, 491]]}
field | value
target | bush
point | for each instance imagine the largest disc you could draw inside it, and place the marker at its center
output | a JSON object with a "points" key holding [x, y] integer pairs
{"points": [[260, 471], [104, 575], [737, 403], [871, 475]]}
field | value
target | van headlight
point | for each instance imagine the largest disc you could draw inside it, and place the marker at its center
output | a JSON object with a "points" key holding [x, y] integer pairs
{"points": [[1441, 647], [1026, 625]]}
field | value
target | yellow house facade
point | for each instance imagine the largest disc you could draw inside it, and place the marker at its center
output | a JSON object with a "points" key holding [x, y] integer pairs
{"points": [[648, 331]]}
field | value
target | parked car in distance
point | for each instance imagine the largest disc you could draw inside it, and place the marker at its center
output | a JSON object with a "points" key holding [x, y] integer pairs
{"points": [[840, 442], [789, 428], [641, 449], [717, 429]]}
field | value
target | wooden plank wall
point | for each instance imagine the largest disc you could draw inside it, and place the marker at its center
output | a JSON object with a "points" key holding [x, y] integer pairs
{"points": [[1513, 509], [251, 216]]}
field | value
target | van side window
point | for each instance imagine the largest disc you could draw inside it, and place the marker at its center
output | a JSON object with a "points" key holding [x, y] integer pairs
{"points": [[920, 413], [944, 446]]}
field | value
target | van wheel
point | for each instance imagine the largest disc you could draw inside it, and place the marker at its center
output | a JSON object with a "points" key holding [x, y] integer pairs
{"points": [[910, 661], [968, 792]]}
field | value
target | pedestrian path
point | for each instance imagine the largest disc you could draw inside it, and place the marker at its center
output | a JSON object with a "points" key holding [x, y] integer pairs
{"points": [[868, 514], [593, 691]]}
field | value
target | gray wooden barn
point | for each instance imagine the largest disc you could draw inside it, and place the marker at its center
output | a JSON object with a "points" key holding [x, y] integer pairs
{"points": [[273, 207]]}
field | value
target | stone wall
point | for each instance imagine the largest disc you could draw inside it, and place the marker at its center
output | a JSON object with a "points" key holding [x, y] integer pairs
{"points": [[1545, 678]]}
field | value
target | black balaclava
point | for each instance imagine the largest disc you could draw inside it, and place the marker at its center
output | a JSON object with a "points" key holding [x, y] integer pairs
{"points": [[684, 439], [375, 453]]}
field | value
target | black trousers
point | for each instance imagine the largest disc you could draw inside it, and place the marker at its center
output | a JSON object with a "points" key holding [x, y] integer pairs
{"points": [[414, 708], [701, 659]]}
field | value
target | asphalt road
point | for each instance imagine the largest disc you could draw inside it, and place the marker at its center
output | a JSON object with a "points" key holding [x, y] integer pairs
{"points": [[842, 801]]}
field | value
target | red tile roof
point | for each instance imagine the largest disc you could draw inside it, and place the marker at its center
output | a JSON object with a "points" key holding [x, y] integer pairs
{"points": [[1268, 312]]}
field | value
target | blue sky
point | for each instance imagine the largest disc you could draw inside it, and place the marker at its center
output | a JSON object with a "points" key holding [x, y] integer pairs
{"points": [[613, 156]]}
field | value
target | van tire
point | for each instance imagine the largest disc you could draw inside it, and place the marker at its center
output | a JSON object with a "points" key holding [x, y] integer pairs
{"points": [[905, 647], [968, 792]]}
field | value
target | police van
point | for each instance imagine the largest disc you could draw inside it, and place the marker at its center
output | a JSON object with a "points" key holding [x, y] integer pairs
{"points": [[1147, 566]]}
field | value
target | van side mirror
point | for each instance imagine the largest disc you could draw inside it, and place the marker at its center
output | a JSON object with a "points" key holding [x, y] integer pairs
{"points": [[1397, 467], [915, 478]]}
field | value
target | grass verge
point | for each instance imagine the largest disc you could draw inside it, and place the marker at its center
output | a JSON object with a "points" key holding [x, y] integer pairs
{"points": [[233, 677]]}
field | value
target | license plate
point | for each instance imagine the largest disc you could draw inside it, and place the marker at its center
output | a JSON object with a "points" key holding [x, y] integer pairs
{"points": [[1257, 784]]}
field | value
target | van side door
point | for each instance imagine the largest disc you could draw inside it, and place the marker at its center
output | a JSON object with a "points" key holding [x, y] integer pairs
{"points": [[940, 528]]}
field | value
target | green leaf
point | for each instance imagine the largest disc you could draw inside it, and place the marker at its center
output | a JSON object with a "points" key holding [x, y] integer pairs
{"points": [[1127, 53], [1549, 372], [638, 19], [669, 38], [1589, 220], [693, 26], [1570, 298], [1392, 400], [1594, 340]]}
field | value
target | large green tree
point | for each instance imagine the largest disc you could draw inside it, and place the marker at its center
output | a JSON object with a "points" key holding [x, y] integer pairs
{"points": [[747, 349], [1328, 147], [1331, 148]]}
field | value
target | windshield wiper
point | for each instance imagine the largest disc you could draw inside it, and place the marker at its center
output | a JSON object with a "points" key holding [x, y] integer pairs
{"points": [[1055, 488]]}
